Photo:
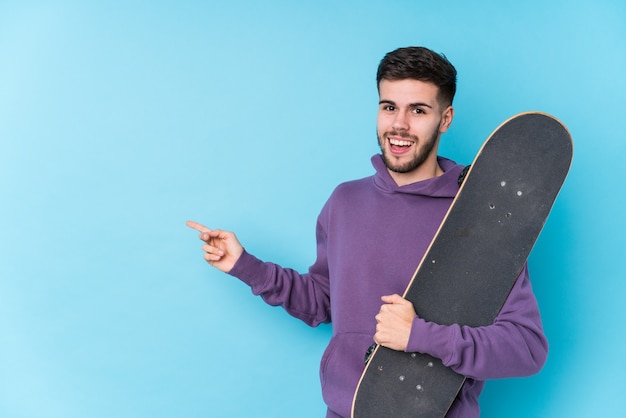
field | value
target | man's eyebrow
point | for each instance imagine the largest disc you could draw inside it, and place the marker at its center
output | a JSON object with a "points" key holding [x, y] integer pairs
{"points": [[420, 104], [412, 105]]}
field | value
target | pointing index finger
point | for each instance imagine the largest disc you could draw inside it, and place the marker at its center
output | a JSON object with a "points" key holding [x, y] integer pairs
{"points": [[198, 227]]}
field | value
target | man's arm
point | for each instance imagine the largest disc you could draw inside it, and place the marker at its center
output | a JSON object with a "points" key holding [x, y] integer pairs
{"points": [[304, 296], [514, 345]]}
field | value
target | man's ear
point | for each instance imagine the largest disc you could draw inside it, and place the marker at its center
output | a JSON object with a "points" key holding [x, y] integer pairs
{"points": [[446, 119]]}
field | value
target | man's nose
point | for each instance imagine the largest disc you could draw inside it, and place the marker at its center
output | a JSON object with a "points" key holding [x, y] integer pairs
{"points": [[400, 122]]}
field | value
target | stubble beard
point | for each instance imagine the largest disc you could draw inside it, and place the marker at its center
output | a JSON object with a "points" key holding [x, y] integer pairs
{"points": [[424, 150]]}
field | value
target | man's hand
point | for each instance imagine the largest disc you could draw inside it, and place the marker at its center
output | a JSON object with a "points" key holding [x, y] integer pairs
{"points": [[221, 248], [393, 322]]}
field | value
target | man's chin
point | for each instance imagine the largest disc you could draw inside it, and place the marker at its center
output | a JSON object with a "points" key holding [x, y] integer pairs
{"points": [[401, 168]]}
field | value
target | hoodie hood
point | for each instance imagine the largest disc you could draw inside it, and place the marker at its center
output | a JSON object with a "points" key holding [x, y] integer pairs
{"points": [[442, 186]]}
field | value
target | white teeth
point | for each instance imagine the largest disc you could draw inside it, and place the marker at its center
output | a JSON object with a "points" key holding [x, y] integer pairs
{"points": [[400, 143]]}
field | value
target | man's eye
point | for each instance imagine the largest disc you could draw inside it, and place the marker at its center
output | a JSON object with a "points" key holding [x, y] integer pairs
{"points": [[389, 108], [418, 110]]}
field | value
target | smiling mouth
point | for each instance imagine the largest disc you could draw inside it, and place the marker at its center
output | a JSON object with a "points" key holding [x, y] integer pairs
{"points": [[400, 142]]}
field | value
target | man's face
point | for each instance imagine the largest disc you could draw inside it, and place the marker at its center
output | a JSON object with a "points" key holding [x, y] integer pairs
{"points": [[410, 121]]}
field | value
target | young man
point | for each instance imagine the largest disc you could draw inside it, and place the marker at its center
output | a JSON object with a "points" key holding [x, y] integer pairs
{"points": [[371, 234]]}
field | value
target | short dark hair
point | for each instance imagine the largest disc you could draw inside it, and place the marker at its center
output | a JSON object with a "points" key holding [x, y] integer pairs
{"points": [[421, 64]]}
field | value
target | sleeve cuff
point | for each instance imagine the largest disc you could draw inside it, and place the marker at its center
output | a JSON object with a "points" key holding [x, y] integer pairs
{"points": [[249, 270], [430, 338]]}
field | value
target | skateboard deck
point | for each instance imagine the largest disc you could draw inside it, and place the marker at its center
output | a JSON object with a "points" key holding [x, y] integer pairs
{"points": [[473, 261]]}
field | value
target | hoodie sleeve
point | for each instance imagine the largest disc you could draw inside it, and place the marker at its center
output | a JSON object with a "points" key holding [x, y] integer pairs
{"points": [[304, 296], [513, 346]]}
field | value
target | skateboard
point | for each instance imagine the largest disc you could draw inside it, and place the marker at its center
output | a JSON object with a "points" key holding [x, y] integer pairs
{"points": [[473, 261]]}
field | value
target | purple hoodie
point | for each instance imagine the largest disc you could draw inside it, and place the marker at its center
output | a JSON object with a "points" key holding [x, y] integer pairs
{"points": [[371, 235]]}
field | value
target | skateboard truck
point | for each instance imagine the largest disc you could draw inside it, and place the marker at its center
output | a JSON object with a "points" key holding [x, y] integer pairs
{"points": [[369, 352], [463, 174]]}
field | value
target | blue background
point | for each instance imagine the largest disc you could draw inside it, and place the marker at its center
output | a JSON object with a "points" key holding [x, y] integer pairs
{"points": [[121, 120]]}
